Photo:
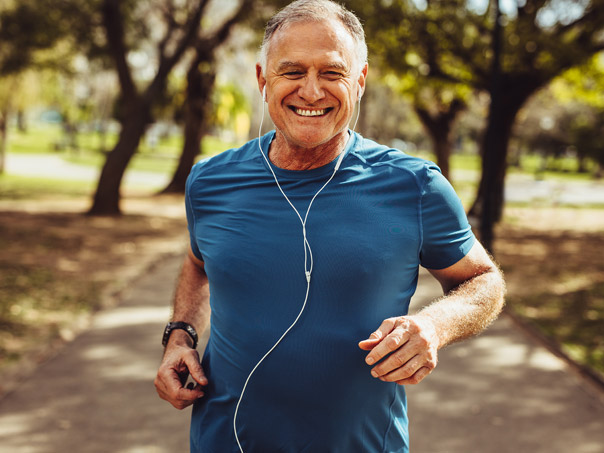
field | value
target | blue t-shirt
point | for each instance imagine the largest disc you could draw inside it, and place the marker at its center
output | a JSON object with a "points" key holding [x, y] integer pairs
{"points": [[383, 215]]}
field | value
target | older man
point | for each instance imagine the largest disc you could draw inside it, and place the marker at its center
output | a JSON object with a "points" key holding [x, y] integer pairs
{"points": [[303, 242]]}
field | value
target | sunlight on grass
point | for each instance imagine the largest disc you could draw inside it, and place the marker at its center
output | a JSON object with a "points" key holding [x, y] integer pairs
{"points": [[13, 187], [162, 157], [575, 319]]}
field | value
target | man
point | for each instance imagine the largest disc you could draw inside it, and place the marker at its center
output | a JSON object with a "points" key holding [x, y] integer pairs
{"points": [[303, 242]]}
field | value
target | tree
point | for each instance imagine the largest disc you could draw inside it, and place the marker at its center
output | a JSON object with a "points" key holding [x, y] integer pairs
{"points": [[30, 34], [454, 43], [200, 82], [541, 42], [181, 24], [566, 118], [397, 39]]}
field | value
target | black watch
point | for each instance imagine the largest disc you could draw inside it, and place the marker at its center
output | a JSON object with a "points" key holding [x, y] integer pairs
{"points": [[179, 325]]}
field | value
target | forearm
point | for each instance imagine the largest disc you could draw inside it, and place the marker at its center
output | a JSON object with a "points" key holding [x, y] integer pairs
{"points": [[191, 298], [467, 309]]}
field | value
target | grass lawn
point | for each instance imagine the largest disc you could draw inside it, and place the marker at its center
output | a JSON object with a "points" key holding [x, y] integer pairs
{"points": [[13, 187], [161, 158]]}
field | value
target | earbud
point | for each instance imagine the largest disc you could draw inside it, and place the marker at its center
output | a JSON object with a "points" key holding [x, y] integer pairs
{"points": [[360, 93], [264, 93]]}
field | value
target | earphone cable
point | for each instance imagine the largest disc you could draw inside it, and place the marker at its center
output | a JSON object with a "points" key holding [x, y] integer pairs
{"points": [[308, 258]]}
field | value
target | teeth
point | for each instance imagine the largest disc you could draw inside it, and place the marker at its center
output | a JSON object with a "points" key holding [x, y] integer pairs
{"points": [[310, 112]]}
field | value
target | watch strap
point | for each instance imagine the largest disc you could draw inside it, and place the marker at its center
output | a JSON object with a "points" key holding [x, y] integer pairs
{"points": [[171, 326]]}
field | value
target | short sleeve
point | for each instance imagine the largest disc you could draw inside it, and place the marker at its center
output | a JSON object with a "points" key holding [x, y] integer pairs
{"points": [[189, 207], [446, 233]]}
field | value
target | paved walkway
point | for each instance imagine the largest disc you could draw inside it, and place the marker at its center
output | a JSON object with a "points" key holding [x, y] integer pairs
{"points": [[500, 392], [521, 188], [54, 166]]}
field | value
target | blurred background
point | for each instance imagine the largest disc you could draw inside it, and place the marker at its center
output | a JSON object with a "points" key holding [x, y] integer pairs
{"points": [[106, 104]]}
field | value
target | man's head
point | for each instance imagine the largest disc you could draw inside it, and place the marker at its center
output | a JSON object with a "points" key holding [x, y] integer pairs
{"points": [[313, 68], [315, 10]]}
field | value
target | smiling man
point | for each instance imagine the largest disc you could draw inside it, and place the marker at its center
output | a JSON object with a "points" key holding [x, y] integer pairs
{"points": [[305, 249]]}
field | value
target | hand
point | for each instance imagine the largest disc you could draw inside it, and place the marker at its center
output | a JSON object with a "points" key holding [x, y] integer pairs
{"points": [[405, 347], [179, 361]]}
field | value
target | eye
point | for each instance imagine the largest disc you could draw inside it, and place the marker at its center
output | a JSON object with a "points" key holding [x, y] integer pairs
{"points": [[293, 74], [333, 75]]}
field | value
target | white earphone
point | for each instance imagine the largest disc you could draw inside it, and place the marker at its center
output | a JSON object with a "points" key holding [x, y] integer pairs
{"points": [[308, 259]]}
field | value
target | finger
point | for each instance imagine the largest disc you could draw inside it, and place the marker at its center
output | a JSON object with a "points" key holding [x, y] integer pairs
{"points": [[376, 337], [171, 390], [417, 377], [404, 371], [396, 361], [393, 341], [186, 397], [369, 344]]}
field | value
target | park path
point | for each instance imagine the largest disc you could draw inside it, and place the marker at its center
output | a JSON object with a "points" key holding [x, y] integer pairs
{"points": [[497, 393], [53, 166], [520, 188]]}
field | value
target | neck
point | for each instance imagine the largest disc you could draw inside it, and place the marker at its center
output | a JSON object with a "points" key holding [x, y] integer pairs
{"points": [[292, 157]]}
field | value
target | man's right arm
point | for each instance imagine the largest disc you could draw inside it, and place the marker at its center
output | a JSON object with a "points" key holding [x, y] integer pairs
{"points": [[191, 305]]}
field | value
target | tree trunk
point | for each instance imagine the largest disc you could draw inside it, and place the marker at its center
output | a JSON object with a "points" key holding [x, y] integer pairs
{"points": [[21, 121], [199, 88], [107, 197], [3, 139], [494, 150], [439, 127]]}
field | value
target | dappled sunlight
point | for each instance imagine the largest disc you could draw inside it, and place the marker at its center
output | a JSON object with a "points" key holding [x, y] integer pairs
{"points": [[97, 395], [502, 385], [127, 316]]}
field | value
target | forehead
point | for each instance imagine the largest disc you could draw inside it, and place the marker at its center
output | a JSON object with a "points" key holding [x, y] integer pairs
{"points": [[327, 41]]}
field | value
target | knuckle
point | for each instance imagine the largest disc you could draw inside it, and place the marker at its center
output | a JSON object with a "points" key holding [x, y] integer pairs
{"points": [[407, 371], [422, 341], [393, 341], [398, 361], [414, 380]]}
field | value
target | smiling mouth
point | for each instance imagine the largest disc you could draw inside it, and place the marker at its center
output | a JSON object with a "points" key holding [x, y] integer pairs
{"points": [[309, 112]]}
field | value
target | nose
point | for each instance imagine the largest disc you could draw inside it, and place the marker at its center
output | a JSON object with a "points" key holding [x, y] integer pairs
{"points": [[311, 90]]}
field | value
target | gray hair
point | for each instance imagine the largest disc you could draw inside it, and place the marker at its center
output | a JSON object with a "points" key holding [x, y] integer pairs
{"points": [[315, 10]]}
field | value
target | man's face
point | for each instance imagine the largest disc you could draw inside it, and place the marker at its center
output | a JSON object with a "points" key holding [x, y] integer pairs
{"points": [[313, 81]]}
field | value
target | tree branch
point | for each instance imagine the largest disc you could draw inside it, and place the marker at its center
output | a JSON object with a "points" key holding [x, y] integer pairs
{"points": [[114, 29], [223, 32], [167, 62]]}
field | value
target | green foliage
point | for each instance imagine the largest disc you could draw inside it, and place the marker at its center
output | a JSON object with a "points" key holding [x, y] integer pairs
{"points": [[44, 33], [583, 84], [568, 116], [231, 109]]}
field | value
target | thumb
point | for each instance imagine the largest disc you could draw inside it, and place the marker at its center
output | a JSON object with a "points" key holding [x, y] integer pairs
{"points": [[371, 342], [196, 371]]}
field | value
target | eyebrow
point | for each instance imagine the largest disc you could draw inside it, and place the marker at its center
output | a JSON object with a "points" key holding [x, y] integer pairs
{"points": [[288, 65], [285, 65]]}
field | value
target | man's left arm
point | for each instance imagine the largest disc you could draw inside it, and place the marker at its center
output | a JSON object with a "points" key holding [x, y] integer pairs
{"points": [[404, 349]]}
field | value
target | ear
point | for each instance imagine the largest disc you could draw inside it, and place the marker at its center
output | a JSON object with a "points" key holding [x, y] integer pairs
{"points": [[261, 81], [361, 81]]}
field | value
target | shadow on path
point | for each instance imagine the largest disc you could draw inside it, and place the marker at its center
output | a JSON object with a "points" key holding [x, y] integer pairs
{"points": [[97, 395], [497, 393]]}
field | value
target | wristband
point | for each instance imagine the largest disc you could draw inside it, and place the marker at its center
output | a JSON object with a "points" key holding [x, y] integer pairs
{"points": [[171, 326]]}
